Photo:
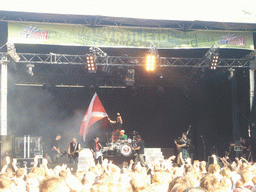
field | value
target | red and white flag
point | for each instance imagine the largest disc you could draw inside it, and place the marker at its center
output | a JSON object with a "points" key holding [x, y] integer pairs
{"points": [[94, 113]]}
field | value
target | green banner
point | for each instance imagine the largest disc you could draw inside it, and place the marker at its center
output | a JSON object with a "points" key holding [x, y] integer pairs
{"points": [[61, 34]]}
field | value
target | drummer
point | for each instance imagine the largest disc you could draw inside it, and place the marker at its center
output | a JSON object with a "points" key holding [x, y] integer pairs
{"points": [[122, 136]]}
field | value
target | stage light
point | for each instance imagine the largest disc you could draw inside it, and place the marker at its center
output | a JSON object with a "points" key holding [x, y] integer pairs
{"points": [[69, 86], [91, 67], [30, 69], [214, 61], [29, 84], [150, 62], [129, 78], [11, 52]]}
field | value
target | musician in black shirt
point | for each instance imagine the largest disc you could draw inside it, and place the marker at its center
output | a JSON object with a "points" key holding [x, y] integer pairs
{"points": [[140, 151], [95, 148], [73, 151], [245, 146], [56, 152]]}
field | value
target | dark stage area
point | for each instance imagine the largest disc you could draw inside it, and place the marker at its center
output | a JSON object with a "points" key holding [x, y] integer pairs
{"points": [[158, 117]]}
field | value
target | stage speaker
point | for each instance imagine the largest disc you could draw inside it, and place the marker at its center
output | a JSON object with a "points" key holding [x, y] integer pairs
{"points": [[28, 162], [210, 160], [7, 147], [25, 162]]}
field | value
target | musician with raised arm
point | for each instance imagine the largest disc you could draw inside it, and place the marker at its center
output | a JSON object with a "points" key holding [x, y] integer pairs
{"points": [[95, 148], [73, 151], [118, 125]]}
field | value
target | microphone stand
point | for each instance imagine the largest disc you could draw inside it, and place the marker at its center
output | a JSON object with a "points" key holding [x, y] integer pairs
{"points": [[204, 147]]}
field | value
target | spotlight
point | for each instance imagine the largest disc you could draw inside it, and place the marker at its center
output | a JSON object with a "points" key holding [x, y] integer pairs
{"points": [[30, 69], [91, 67], [214, 61], [11, 52], [129, 78], [150, 62]]}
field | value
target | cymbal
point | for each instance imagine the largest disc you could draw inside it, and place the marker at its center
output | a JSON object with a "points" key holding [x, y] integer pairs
{"points": [[134, 132]]}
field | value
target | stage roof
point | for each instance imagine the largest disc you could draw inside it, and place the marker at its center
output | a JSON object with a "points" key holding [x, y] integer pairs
{"points": [[100, 21]]}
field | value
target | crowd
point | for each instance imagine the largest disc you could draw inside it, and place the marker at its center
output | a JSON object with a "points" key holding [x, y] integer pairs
{"points": [[160, 176]]}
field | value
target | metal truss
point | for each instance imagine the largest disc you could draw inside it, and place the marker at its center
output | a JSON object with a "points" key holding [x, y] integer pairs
{"points": [[122, 61], [55, 69], [48, 81], [102, 21]]}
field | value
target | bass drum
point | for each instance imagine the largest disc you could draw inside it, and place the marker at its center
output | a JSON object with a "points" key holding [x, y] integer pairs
{"points": [[126, 150]]}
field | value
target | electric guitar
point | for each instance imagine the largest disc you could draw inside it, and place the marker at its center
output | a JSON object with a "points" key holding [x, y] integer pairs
{"points": [[70, 155], [59, 152], [99, 153]]}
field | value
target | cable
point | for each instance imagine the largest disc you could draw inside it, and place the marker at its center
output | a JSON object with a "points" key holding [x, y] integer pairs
{"points": [[3, 46]]}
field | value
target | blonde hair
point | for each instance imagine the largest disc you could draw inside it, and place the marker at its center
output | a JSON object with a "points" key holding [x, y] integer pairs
{"points": [[179, 188], [245, 176], [213, 168], [5, 182], [209, 182], [139, 183], [158, 178], [50, 184], [225, 172], [226, 182], [254, 180], [20, 172], [175, 181]]}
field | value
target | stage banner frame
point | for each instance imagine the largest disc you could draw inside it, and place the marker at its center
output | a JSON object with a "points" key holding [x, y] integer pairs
{"points": [[133, 37]]}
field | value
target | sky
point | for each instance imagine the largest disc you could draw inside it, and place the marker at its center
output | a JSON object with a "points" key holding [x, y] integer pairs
{"points": [[219, 11]]}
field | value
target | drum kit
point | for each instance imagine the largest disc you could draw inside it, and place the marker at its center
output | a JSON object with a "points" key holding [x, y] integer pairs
{"points": [[120, 147]]}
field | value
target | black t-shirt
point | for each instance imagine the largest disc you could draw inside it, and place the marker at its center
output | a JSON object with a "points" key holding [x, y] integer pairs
{"points": [[246, 144], [118, 126], [141, 143], [74, 148], [55, 143], [93, 145]]}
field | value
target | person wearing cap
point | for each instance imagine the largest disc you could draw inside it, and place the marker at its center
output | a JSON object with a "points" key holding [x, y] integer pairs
{"points": [[122, 135]]}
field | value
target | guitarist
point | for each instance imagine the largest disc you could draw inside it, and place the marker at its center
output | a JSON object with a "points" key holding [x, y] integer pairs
{"points": [[96, 150], [73, 151], [56, 153]]}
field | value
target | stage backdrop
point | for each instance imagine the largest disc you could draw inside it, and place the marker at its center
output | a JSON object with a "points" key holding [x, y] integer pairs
{"points": [[67, 34]]}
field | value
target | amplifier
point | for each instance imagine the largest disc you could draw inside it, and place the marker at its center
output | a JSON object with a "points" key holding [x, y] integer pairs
{"points": [[27, 162], [238, 148]]}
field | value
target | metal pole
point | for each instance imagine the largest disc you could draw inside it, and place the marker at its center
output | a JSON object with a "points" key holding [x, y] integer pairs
{"points": [[4, 96], [28, 151], [235, 110], [252, 85], [25, 148]]}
